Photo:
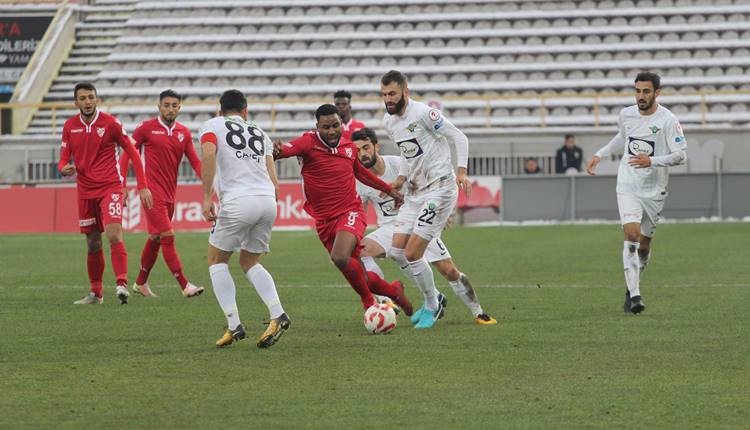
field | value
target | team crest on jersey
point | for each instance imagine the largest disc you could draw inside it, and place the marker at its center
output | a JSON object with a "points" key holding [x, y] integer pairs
{"points": [[654, 129], [100, 131], [411, 127], [180, 137], [348, 152]]}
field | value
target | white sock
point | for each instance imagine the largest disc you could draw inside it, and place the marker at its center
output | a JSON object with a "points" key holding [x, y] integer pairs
{"points": [[225, 293], [397, 255], [463, 289], [266, 289], [423, 277], [631, 262], [372, 266]]}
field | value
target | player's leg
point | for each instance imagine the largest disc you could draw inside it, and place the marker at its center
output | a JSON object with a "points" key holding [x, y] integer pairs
{"points": [[169, 251], [110, 211], [90, 225], [371, 249], [149, 254], [435, 211], [651, 215], [631, 214], [344, 244], [256, 242], [222, 241]]}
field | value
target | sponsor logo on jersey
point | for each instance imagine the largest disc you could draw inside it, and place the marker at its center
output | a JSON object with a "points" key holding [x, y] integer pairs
{"points": [[654, 129], [434, 114], [439, 124], [637, 146], [76, 130], [679, 139], [100, 131], [388, 208], [410, 148], [158, 132]]}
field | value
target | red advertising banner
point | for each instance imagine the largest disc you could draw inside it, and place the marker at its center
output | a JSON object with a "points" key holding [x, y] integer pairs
{"points": [[47, 209]]}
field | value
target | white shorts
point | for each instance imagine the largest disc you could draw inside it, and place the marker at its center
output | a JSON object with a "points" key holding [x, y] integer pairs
{"points": [[427, 213], [244, 223], [635, 209], [436, 249]]}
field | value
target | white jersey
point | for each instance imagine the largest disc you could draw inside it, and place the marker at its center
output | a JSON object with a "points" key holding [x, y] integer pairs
{"points": [[384, 206], [241, 150], [659, 136], [421, 134]]}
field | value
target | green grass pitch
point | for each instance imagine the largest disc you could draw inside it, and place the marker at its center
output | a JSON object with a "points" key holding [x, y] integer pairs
{"points": [[563, 356]]}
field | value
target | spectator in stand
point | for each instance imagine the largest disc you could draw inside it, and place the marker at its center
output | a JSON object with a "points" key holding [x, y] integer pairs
{"points": [[342, 100], [569, 157], [531, 166]]}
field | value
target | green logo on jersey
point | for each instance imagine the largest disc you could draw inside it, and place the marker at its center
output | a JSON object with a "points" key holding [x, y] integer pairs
{"points": [[411, 127], [654, 129]]}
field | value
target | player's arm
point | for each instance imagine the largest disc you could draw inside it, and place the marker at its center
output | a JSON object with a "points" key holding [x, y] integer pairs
{"points": [[65, 167], [677, 145], [292, 148], [271, 165], [371, 180], [140, 177], [442, 127], [615, 145], [191, 155], [208, 166]]}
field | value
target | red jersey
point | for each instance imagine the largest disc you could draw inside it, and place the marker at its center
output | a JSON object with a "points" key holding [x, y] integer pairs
{"points": [[328, 175], [161, 150], [350, 127], [93, 148]]}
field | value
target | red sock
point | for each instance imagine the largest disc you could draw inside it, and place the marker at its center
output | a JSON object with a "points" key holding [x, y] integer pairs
{"points": [[119, 256], [355, 274], [379, 286], [148, 258], [95, 266], [173, 260]]}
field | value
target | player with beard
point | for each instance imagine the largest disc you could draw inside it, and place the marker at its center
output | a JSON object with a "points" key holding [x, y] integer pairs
{"points": [[329, 168], [650, 140], [423, 136], [162, 142], [89, 149], [377, 243]]}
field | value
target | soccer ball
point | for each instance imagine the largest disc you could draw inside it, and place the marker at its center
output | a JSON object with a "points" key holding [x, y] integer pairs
{"points": [[380, 319]]}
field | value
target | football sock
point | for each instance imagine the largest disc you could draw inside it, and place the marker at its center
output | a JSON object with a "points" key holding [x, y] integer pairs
{"points": [[378, 285], [423, 277], [397, 255], [169, 252], [266, 288], [225, 292], [372, 266], [95, 266], [148, 258], [463, 289], [355, 275], [632, 269], [119, 257]]}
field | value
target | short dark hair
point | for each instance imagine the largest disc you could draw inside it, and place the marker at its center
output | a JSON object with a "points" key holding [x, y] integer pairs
{"points": [[169, 93], [233, 101], [569, 136], [342, 94], [365, 134], [649, 77], [88, 86], [394, 76], [326, 109]]}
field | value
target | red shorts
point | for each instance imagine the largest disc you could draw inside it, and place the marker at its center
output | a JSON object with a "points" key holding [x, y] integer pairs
{"points": [[355, 222], [159, 217], [94, 214]]}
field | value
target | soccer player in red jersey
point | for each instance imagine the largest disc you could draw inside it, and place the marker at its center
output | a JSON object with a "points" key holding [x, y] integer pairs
{"points": [[329, 168], [342, 99], [89, 148], [162, 142]]}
